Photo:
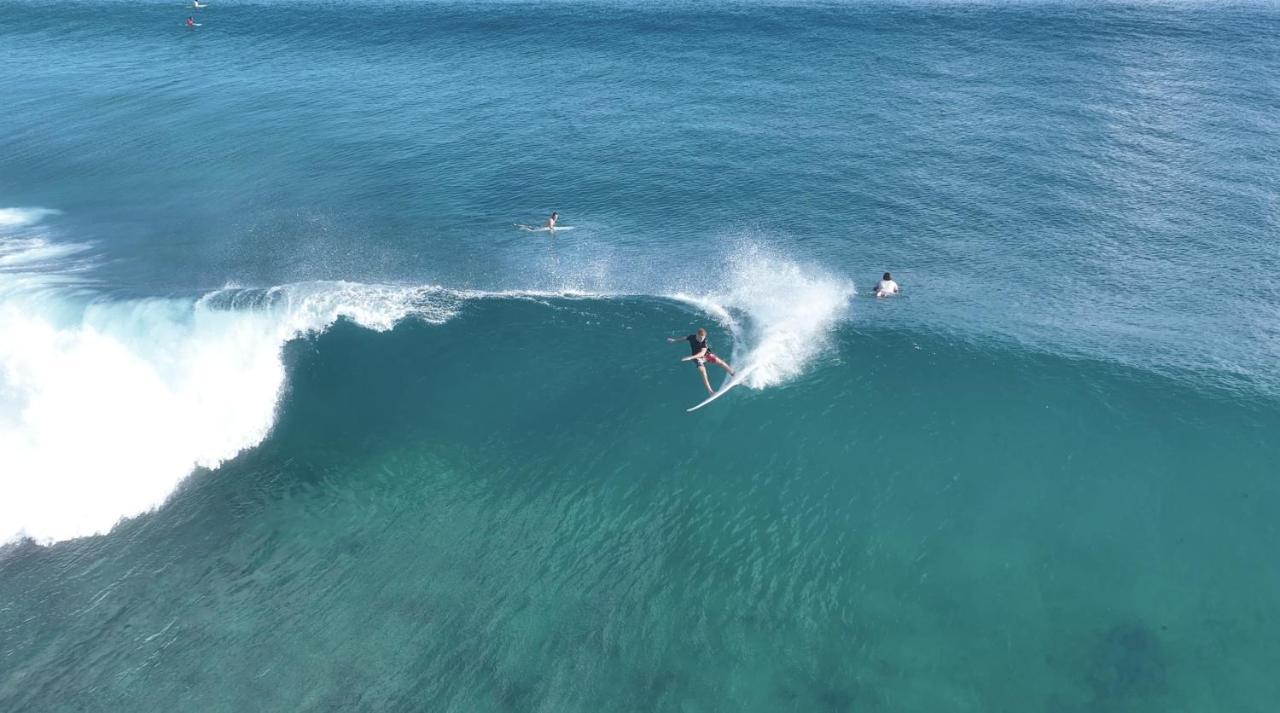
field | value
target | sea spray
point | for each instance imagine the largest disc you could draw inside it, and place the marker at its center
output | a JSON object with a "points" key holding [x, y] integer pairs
{"points": [[780, 313]]}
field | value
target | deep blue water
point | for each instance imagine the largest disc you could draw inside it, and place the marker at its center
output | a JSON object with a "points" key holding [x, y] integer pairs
{"points": [[293, 416]]}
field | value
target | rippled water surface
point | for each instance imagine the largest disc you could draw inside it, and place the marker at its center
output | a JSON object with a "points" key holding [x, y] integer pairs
{"points": [[294, 416]]}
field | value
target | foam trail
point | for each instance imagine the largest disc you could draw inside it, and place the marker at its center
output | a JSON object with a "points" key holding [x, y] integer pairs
{"points": [[29, 259], [780, 313]]}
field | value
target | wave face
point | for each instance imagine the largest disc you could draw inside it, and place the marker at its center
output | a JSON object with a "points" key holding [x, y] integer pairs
{"points": [[149, 389]]}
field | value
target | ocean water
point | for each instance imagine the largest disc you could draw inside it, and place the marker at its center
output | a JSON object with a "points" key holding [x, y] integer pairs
{"points": [[294, 417]]}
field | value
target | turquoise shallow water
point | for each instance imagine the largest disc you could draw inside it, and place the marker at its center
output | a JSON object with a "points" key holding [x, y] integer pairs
{"points": [[292, 417]]}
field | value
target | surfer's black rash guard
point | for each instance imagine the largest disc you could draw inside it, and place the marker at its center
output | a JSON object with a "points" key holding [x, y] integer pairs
{"points": [[697, 344]]}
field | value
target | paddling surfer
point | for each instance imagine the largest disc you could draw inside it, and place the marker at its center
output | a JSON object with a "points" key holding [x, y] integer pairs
{"points": [[549, 226], [701, 355]]}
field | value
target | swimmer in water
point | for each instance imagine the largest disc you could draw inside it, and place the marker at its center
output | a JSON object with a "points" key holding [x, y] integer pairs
{"points": [[701, 355], [886, 287]]}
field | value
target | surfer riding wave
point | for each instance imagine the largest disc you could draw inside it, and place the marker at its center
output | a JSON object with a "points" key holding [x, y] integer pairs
{"points": [[702, 355]]}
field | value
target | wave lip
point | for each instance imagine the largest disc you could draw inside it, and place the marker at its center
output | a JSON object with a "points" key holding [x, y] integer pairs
{"points": [[105, 406]]}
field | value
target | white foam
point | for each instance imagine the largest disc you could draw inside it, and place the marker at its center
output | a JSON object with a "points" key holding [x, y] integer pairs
{"points": [[21, 217], [106, 405], [781, 313]]}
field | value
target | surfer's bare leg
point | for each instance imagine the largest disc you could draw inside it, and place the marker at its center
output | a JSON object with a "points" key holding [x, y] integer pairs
{"points": [[726, 366], [707, 382]]}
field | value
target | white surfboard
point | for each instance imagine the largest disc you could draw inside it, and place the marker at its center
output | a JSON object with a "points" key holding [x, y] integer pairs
{"points": [[724, 388], [542, 229]]}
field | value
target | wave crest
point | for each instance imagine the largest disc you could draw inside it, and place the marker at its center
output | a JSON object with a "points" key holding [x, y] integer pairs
{"points": [[105, 406]]}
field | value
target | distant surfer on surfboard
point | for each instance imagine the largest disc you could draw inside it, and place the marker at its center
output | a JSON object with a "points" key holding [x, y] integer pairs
{"points": [[191, 23], [701, 355], [197, 6], [547, 227]]}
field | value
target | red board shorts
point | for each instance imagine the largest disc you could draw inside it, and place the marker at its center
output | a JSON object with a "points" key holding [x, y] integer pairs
{"points": [[709, 358]]}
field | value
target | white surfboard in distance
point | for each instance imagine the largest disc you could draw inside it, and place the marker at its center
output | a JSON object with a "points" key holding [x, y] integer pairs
{"points": [[724, 388], [543, 229]]}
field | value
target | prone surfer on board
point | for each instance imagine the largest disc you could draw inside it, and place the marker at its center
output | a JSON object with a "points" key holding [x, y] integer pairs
{"points": [[701, 355]]}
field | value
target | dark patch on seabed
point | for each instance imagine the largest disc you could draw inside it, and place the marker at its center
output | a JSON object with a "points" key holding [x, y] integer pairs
{"points": [[1117, 669]]}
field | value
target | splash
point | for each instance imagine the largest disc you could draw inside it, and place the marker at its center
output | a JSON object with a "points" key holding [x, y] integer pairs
{"points": [[781, 313]]}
